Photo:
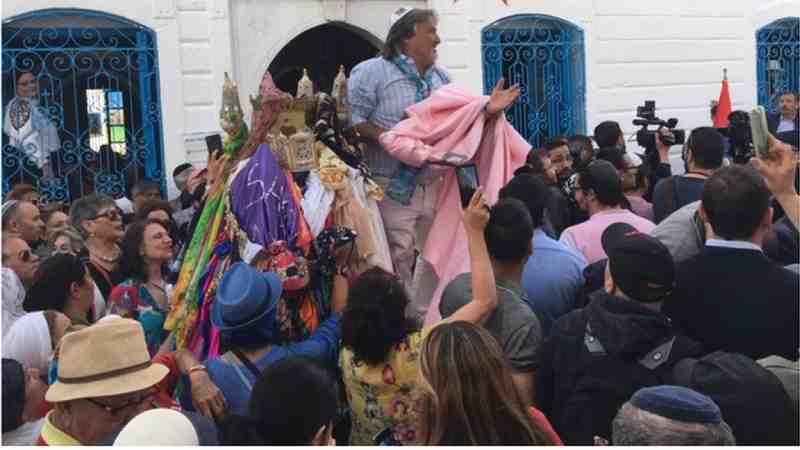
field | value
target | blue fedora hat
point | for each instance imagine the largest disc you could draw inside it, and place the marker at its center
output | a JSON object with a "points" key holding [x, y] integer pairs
{"points": [[244, 297]]}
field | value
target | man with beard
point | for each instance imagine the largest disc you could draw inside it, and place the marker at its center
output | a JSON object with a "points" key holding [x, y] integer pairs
{"points": [[789, 118]]}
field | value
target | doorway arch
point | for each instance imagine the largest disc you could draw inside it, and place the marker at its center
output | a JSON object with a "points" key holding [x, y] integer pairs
{"points": [[97, 78], [321, 49], [545, 55]]}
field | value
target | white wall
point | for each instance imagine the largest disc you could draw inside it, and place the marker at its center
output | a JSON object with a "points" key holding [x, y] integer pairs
{"points": [[672, 52]]}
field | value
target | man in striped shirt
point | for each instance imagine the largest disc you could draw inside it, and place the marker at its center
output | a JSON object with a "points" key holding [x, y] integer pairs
{"points": [[379, 91]]}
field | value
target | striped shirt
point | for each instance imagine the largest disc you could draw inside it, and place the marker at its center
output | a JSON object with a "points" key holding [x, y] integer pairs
{"points": [[379, 93]]}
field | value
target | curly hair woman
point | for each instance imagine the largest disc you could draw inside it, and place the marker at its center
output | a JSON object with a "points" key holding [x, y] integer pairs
{"points": [[380, 347]]}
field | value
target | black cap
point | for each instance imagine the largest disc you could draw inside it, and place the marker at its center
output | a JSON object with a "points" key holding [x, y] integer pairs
{"points": [[603, 178], [13, 394], [640, 264]]}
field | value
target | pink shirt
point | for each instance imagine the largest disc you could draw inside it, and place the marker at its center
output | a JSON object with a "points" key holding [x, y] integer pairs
{"points": [[585, 237]]}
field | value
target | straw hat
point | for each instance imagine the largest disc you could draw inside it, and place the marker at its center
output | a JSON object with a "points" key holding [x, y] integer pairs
{"points": [[107, 358]]}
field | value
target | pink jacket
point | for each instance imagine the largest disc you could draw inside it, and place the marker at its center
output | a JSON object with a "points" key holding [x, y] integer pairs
{"points": [[453, 121]]}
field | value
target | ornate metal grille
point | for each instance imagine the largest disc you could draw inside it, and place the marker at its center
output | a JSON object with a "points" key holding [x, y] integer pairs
{"points": [[546, 56], [778, 66], [78, 57]]}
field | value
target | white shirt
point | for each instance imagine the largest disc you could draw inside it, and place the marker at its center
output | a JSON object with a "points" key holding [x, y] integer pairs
{"points": [[785, 125], [741, 245], [12, 295]]}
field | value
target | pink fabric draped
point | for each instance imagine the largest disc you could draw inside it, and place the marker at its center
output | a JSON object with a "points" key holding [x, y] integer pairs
{"points": [[452, 121]]}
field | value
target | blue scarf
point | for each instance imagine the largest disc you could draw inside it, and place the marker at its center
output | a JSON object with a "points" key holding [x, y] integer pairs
{"points": [[403, 183]]}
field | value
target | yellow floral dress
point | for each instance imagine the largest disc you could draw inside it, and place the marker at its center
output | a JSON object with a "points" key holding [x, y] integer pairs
{"points": [[381, 396]]}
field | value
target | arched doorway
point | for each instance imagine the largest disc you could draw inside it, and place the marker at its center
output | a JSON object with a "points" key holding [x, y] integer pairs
{"points": [[95, 83], [546, 56], [778, 60], [321, 50]]}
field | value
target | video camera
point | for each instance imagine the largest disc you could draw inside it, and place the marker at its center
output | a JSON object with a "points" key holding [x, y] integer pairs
{"points": [[646, 116], [740, 137]]}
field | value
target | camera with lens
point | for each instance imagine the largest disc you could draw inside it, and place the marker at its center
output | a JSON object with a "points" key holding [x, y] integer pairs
{"points": [[645, 137], [740, 137]]}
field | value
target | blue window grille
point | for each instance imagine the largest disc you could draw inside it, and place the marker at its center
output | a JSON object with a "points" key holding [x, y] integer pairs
{"points": [[97, 79], [778, 66], [546, 56]]}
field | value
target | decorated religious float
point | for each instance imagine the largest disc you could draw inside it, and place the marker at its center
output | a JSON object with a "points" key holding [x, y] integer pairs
{"points": [[256, 211]]}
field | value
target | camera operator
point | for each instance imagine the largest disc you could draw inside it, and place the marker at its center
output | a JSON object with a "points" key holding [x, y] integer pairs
{"points": [[701, 155]]}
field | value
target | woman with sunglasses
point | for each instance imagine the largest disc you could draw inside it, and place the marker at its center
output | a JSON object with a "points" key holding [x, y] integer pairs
{"points": [[97, 218], [144, 295]]}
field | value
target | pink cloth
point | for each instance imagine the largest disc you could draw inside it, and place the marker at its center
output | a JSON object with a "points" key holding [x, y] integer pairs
{"points": [[585, 237], [453, 121]]}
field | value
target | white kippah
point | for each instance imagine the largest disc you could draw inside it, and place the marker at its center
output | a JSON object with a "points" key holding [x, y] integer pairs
{"points": [[399, 14]]}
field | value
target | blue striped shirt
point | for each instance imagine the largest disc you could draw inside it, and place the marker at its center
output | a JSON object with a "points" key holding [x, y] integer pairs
{"points": [[379, 93]]}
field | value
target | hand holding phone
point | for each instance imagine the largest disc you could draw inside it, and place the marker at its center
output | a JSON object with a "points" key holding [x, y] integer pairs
{"points": [[759, 131], [213, 143], [467, 176]]}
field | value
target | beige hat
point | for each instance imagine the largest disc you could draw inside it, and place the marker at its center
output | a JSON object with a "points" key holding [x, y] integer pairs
{"points": [[107, 358], [160, 426]]}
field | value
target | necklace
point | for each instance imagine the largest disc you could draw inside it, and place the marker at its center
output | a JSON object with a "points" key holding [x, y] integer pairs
{"points": [[107, 259]]}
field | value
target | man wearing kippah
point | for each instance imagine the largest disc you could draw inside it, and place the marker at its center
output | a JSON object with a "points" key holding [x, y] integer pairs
{"points": [[620, 341], [670, 415]]}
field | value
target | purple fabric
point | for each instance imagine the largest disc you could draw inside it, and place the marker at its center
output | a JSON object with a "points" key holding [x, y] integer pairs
{"points": [[262, 201]]}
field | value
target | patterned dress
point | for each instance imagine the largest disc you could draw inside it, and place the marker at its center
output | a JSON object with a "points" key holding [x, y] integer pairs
{"points": [[130, 299], [382, 396]]}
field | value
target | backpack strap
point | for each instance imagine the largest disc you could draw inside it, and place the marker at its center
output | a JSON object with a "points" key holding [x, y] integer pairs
{"points": [[658, 356], [594, 346], [652, 360], [246, 361]]}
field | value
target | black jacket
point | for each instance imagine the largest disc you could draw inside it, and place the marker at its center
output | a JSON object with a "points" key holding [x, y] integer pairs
{"points": [[627, 331], [774, 120], [737, 301]]}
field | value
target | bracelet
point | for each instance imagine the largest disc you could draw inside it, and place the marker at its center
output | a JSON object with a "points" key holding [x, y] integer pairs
{"points": [[196, 368]]}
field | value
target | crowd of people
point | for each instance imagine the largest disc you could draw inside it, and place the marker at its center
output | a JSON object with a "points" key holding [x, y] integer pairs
{"points": [[605, 301]]}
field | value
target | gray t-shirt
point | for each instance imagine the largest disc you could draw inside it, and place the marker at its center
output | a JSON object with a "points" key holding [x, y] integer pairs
{"points": [[513, 323]]}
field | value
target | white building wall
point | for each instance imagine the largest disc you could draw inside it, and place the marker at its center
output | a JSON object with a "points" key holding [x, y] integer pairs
{"points": [[672, 52], [669, 51]]}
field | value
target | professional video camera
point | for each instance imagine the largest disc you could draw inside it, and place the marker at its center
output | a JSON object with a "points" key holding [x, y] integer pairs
{"points": [[645, 137], [646, 116], [740, 137]]}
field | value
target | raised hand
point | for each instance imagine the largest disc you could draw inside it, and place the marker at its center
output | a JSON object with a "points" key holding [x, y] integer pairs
{"points": [[476, 215], [501, 98]]}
